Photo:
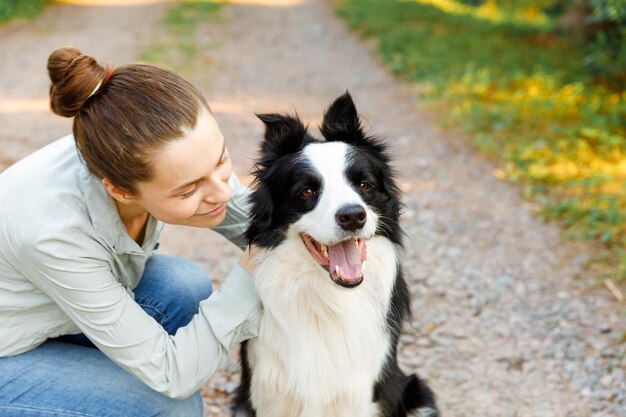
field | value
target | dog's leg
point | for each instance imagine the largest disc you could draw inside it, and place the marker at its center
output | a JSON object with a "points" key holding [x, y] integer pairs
{"points": [[424, 412], [418, 398]]}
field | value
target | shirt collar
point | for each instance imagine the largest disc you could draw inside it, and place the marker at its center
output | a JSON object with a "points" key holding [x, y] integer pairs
{"points": [[106, 220]]}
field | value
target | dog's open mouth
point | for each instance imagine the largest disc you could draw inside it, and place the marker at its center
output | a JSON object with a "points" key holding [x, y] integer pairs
{"points": [[344, 260]]}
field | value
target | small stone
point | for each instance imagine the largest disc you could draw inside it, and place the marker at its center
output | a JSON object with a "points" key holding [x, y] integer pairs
{"points": [[549, 352], [231, 387], [575, 352], [505, 281], [618, 375], [454, 253], [608, 353], [424, 342], [606, 380]]}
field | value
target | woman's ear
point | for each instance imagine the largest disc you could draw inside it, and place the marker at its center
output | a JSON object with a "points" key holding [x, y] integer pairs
{"points": [[117, 193]]}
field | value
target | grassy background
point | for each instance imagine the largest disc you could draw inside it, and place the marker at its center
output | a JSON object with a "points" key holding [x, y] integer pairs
{"points": [[20, 9], [179, 48], [525, 97]]}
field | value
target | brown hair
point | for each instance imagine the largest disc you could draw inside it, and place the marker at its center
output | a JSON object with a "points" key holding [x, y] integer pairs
{"points": [[122, 117]]}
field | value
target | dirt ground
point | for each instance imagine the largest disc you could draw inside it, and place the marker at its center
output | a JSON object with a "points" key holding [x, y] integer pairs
{"points": [[506, 323]]}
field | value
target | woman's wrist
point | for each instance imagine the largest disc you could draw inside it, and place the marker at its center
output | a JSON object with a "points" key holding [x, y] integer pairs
{"points": [[248, 260]]}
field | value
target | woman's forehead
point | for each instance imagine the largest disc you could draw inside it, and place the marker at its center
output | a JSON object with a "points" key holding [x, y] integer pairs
{"points": [[191, 157]]}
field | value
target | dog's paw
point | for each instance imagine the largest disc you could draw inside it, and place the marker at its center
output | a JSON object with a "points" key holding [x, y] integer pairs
{"points": [[424, 412]]}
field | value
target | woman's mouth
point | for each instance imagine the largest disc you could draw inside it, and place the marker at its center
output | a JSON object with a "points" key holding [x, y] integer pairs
{"points": [[215, 212]]}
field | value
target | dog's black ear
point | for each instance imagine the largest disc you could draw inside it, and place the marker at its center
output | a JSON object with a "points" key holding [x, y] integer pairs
{"points": [[284, 134], [341, 121]]}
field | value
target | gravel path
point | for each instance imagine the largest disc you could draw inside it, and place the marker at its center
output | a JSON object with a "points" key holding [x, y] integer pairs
{"points": [[505, 322]]}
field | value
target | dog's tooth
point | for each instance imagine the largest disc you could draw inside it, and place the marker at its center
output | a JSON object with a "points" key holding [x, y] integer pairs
{"points": [[337, 271], [325, 250]]}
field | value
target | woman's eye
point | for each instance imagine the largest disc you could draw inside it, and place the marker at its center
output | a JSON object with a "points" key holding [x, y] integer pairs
{"points": [[307, 193], [365, 186], [223, 160], [190, 193]]}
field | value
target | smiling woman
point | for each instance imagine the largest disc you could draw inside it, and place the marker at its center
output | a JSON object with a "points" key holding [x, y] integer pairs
{"points": [[82, 292], [191, 185]]}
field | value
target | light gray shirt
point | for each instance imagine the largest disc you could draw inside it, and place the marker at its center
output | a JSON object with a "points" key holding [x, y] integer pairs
{"points": [[67, 265]]}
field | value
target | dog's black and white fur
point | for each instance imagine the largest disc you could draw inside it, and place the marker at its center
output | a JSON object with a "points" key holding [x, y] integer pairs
{"points": [[326, 214]]}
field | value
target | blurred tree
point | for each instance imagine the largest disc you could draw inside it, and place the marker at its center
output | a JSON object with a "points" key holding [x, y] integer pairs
{"points": [[599, 24], [573, 17], [604, 30]]}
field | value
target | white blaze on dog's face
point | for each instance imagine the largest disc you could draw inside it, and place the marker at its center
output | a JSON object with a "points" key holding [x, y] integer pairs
{"points": [[330, 161], [336, 230]]}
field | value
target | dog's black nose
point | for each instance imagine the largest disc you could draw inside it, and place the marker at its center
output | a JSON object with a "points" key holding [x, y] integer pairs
{"points": [[351, 217]]}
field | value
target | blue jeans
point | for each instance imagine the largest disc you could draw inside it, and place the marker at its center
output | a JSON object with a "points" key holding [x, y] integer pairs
{"points": [[69, 377]]}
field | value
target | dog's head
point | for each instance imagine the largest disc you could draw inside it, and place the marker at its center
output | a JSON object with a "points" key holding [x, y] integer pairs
{"points": [[333, 195]]}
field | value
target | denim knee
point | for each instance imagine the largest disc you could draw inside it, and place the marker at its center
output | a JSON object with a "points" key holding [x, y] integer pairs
{"points": [[63, 379], [190, 407], [171, 289], [155, 404]]}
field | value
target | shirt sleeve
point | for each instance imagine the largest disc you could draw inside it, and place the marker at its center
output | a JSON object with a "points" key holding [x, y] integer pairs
{"points": [[237, 217], [86, 290]]}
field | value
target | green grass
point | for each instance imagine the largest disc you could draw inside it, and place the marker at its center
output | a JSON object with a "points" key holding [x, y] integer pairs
{"points": [[180, 45], [525, 96], [20, 9]]}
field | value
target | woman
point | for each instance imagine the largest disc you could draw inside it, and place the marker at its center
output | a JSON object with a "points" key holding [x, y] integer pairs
{"points": [[79, 222]]}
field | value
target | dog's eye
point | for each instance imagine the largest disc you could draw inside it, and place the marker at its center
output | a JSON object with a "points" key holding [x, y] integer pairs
{"points": [[307, 193], [365, 186]]}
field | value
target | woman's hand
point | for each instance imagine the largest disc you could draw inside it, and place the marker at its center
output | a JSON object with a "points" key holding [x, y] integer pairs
{"points": [[248, 260]]}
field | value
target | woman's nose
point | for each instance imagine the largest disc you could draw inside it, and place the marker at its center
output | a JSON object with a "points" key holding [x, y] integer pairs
{"points": [[218, 191]]}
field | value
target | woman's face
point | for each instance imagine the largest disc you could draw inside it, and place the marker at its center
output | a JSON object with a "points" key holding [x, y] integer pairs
{"points": [[190, 182]]}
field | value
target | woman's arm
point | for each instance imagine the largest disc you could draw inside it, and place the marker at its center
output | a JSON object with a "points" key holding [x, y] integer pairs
{"points": [[68, 270]]}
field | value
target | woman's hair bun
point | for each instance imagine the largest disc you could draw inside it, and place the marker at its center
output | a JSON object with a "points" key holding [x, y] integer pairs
{"points": [[74, 77]]}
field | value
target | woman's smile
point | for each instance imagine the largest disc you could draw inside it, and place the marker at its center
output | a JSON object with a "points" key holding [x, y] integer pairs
{"points": [[215, 212]]}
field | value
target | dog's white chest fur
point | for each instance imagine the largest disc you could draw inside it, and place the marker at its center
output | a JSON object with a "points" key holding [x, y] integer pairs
{"points": [[321, 347]]}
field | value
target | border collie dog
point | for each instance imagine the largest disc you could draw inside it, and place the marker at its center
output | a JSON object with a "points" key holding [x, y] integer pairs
{"points": [[334, 299]]}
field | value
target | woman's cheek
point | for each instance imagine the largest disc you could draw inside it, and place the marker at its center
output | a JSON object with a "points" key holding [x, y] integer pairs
{"points": [[227, 169], [182, 210], [192, 205]]}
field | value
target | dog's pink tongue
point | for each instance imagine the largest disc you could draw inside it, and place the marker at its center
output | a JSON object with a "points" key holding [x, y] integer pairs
{"points": [[345, 258]]}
